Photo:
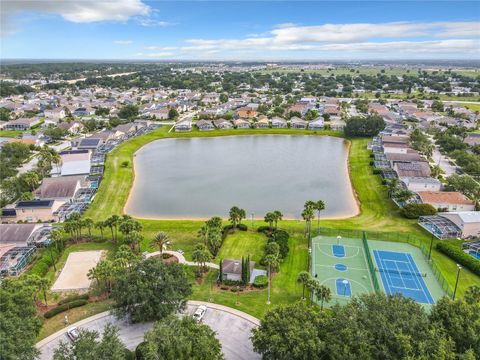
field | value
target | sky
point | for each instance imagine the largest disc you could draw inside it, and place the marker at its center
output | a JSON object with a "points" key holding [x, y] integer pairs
{"points": [[239, 30]]}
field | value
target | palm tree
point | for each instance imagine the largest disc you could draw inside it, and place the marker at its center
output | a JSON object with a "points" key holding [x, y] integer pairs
{"points": [[88, 223], [313, 285], [392, 185], [319, 206], [112, 223], [31, 180], [273, 262], [233, 216], [56, 238], [403, 195], [278, 216], [270, 218], [133, 239], [160, 240], [303, 279], [308, 216], [324, 294], [201, 255], [203, 234], [100, 225]]}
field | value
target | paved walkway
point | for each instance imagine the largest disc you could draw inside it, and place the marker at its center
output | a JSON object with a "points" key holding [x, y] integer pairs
{"points": [[233, 328], [181, 259]]}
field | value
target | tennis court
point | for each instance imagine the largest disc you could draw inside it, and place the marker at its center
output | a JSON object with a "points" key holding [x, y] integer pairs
{"points": [[340, 264], [400, 274]]}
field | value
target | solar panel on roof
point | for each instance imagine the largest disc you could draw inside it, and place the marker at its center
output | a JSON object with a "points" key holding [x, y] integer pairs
{"points": [[89, 142], [35, 203], [9, 212]]}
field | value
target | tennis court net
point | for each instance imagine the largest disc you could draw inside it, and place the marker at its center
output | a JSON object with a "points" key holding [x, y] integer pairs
{"points": [[400, 272]]}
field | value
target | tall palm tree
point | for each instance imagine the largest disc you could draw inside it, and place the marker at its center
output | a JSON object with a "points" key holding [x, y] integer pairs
{"points": [[308, 216], [324, 294], [201, 256], [319, 206], [270, 218], [233, 216], [278, 216], [100, 225], [303, 278], [272, 261], [133, 239], [392, 185], [313, 285], [161, 238], [88, 223], [203, 234]]}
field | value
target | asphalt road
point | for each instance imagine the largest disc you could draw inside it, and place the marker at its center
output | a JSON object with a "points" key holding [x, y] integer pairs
{"points": [[233, 330]]}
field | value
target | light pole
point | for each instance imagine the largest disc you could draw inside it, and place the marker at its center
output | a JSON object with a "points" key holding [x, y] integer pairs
{"points": [[338, 239], [430, 252], [238, 294], [456, 281], [252, 220]]}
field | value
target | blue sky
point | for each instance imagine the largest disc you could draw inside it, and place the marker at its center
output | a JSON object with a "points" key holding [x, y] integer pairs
{"points": [[240, 30]]}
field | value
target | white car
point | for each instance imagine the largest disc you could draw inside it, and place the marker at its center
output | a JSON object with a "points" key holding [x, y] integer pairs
{"points": [[73, 333], [200, 313]]}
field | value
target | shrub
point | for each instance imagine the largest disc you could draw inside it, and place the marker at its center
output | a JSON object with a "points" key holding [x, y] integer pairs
{"points": [[64, 307], [139, 351], [41, 267], [377, 171], [242, 227], [281, 238], [232, 282], [371, 162], [413, 211], [125, 163], [260, 281], [458, 255], [263, 229], [73, 298]]}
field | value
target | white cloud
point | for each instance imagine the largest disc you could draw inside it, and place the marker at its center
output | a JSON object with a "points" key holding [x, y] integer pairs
{"points": [[395, 39], [77, 11], [160, 48], [150, 22], [123, 42]]}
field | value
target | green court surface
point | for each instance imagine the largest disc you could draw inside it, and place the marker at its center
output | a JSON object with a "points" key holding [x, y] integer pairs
{"points": [[343, 265], [330, 268]]}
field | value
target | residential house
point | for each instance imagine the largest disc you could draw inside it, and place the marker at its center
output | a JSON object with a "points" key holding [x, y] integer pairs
{"points": [[205, 125], [417, 184], [90, 143], [246, 112], [61, 188], [55, 113], [412, 169], [160, 114], [73, 127], [184, 125], [394, 147], [223, 124], [34, 211], [297, 123], [447, 200], [22, 123], [73, 162], [241, 124], [317, 124], [232, 269], [467, 221], [279, 123], [262, 123], [472, 139]]}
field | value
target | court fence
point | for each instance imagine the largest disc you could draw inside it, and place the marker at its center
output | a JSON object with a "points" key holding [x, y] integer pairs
{"points": [[395, 237]]}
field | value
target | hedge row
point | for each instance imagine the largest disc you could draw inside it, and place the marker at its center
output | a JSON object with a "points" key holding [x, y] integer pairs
{"points": [[64, 307], [260, 281], [414, 211], [40, 268], [73, 298], [460, 256]]}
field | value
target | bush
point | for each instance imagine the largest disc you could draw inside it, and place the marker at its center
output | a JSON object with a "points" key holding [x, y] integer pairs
{"points": [[242, 227], [64, 307], [263, 229], [459, 256], [129, 355], [73, 298], [377, 171], [281, 238], [413, 211], [260, 281], [139, 351], [232, 282]]}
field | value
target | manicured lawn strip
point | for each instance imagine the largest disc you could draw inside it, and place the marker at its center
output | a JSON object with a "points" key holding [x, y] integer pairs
{"points": [[56, 323], [473, 107], [243, 243], [10, 133]]}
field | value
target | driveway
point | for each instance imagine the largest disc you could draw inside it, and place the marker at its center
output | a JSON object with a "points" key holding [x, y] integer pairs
{"points": [[233, 330]]}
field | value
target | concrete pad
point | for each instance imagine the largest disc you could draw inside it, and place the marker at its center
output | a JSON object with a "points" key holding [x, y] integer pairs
{"points": [[74, 274]]}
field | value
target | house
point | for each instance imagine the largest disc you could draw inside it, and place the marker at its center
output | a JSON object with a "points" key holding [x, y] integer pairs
{"points": [[89, 143], [246, 112], [73, 127], [467, 221], [22, 124], [417, 184], [205, 125], [262, 123], [160, 114], [316, 124], [394, 147], [447, 200], [184, 125], [128, 129], [472, 139], [297, 123], [232, 269], [279, 123], [55, 113], [412, 169], [223, 124], [73, 162], [241, 124], [394, 158], [34, 211], [61, 188], [332, 110], [83, 111]]}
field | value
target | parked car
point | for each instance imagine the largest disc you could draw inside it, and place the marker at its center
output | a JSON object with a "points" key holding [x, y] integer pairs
{"points": [[73, 334], [200, 313]]}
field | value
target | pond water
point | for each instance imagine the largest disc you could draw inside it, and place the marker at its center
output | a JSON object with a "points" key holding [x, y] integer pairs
{"points": [[203, 177]]}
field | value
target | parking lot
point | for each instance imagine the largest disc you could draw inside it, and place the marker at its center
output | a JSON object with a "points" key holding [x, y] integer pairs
{"points": [[233, 330]]}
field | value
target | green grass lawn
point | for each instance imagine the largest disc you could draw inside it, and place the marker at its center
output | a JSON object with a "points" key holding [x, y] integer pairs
{"points": [[378, 213], [243, 244], [10, 133], [473, 107]]}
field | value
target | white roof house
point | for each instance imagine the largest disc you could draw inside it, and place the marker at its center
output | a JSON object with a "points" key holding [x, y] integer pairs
{"points": [[467, 221]]}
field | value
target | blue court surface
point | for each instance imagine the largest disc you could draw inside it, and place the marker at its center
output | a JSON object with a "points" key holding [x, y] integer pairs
{"points": [[400, 274], [340, 267], [338, 251], [343, 289], [475, 254]]}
